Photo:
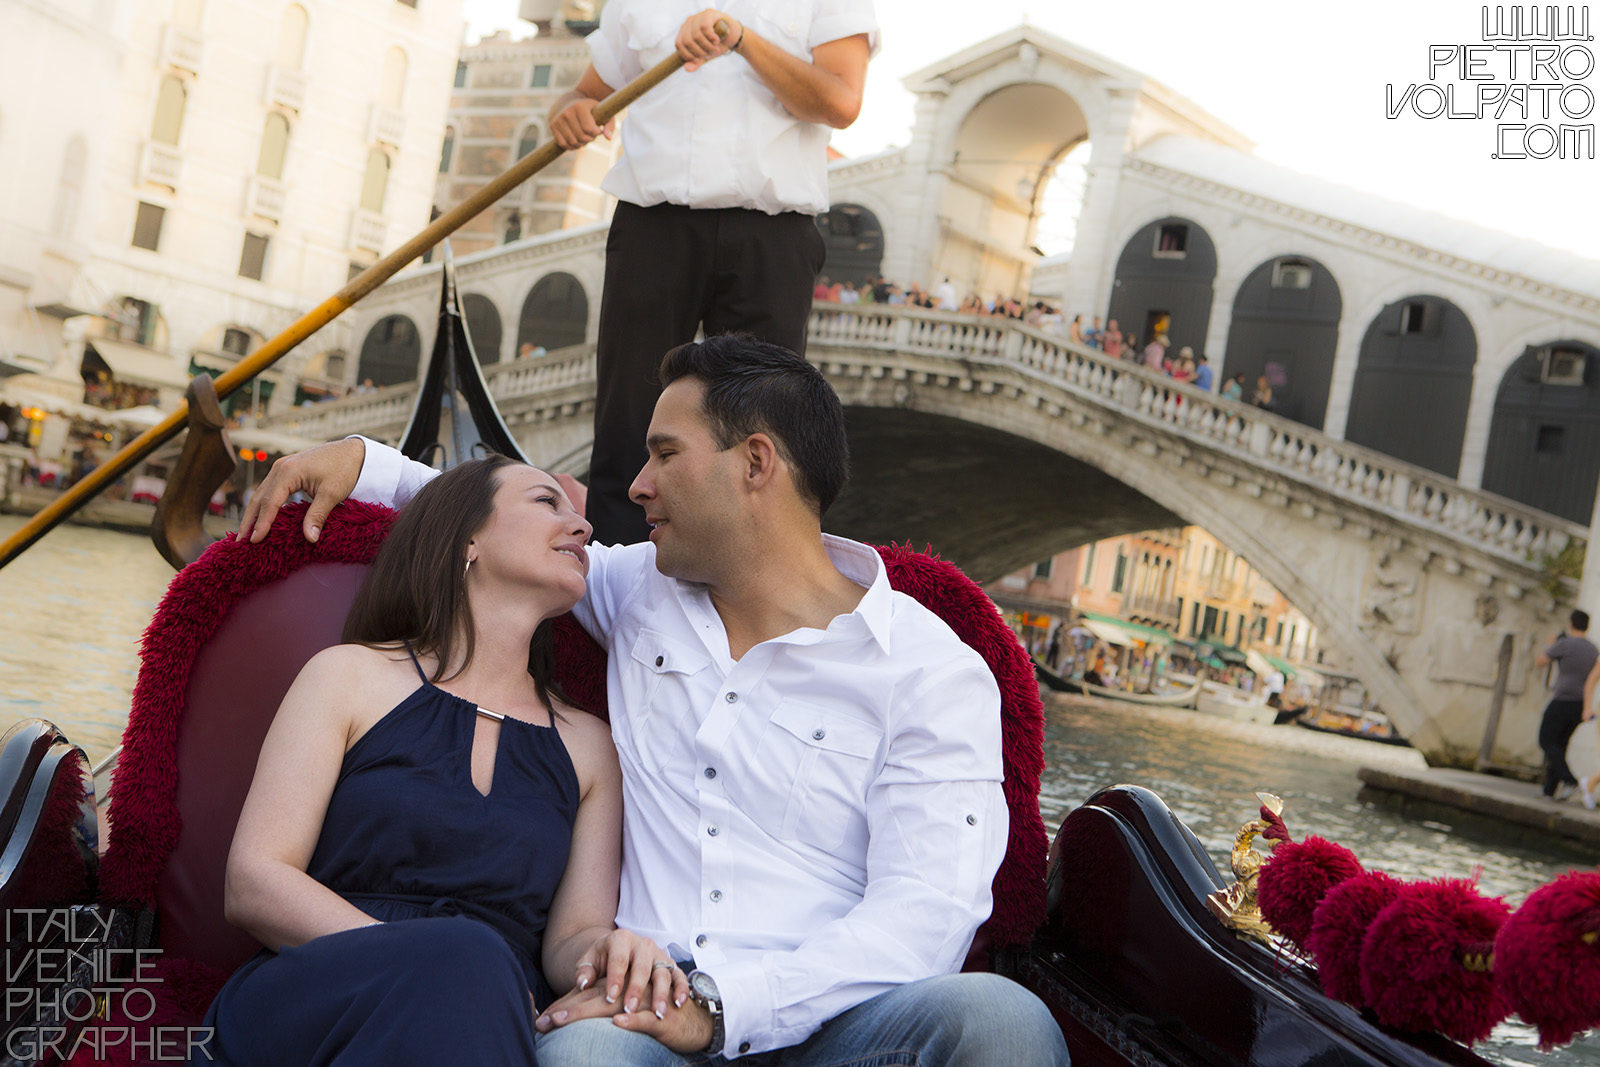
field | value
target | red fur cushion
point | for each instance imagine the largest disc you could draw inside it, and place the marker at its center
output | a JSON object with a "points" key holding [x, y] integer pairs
{"points": [[1542, 963]]}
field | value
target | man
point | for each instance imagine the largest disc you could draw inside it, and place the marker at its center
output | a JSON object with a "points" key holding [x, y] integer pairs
{"points": [[1574, 656], [945, 296], [811, 761], [722, 173], [1202, 374]]}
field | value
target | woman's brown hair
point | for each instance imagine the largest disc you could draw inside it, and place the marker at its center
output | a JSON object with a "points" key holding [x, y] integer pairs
{"points": [[416, 591]]}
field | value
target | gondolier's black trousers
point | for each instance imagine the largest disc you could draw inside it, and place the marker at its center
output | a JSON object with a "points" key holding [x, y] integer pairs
{"points": [[671, 270]]}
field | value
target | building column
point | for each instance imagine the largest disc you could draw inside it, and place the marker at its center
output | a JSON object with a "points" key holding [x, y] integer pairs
{"points": [[1589, 590]]}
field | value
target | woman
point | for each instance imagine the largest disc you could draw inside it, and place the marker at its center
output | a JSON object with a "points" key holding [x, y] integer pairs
{"points": [[423, 870]]}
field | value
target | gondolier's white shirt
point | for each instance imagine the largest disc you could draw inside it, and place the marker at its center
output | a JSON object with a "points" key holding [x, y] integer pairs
{"points": [[819, 820], [717, 137]]}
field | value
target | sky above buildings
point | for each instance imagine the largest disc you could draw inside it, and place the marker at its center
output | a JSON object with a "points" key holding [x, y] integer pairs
{"points": [[1313, 86]]}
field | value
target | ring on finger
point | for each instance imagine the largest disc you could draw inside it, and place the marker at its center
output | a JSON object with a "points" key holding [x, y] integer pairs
{"points": [[668, 964]]}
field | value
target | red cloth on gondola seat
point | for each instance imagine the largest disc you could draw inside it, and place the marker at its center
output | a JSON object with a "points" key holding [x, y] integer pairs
{"points": [[236, 626]]}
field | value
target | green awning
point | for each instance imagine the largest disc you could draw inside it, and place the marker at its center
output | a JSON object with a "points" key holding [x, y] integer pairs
{"points": [[1282, 665], [1149, 634], [1226, 653]]}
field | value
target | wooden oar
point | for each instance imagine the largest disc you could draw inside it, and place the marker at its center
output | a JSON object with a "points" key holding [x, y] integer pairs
{"points": [[325, 312]]}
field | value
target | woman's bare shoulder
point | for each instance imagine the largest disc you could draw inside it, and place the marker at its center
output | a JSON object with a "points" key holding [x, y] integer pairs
{"points": [[363, 662], [588, 740]]}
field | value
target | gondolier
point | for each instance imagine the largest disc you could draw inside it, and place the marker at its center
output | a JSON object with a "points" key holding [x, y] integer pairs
{"points": [[722, 172]]}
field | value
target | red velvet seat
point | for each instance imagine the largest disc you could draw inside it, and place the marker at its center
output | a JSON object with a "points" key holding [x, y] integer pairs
{"points": [[236, 626]]}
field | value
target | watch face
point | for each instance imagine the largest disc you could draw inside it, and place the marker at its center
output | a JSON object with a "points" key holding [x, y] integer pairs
{"points": [[704, 985]]}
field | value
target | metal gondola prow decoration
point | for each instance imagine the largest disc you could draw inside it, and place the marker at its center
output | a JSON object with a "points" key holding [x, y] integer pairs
{"points": [[454, 383]]}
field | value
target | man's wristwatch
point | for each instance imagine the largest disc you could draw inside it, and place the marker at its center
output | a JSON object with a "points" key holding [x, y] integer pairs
{"points": [[703, 991]]}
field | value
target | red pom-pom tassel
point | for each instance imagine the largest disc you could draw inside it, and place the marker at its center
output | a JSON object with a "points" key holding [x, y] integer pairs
{"points": [[1340, 923], [1295, 878], [1414, 972], [1543, 965]]}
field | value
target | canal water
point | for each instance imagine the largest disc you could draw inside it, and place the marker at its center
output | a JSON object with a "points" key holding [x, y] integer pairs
{"points": [[77, 603]]}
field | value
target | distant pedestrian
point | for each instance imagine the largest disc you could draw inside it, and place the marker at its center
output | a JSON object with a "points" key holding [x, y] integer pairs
{"points": [[1182, 369], [945, 294], [1052, 655], [1263, 394], [1233, 389], [1094, 337], [1111, 341], [1155, 353], [1202, 373], [1574, 656]]}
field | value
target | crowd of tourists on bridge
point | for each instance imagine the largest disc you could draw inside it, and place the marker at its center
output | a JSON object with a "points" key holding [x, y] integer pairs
{"points": [[1184, 365]]}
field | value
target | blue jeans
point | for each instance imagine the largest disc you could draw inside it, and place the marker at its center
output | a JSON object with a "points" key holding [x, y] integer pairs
{"points": [[958, 1020]]}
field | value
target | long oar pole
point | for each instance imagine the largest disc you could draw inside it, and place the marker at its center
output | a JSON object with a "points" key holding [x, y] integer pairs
{"points": [[359, 286]]}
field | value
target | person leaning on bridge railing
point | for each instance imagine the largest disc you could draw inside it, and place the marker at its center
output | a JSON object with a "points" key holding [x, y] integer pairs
{"points": [[722, 171]]}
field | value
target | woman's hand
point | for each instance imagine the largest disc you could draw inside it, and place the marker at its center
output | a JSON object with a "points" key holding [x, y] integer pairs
{"points": [[682, 1029], [631, 971]]}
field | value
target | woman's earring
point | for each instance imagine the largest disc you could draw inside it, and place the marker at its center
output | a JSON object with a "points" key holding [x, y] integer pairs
{"points": [[466, 569]]}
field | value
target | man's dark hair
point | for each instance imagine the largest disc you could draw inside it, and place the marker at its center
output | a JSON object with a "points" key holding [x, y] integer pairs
{"points": [[756, 387], [1580, 620], [1201, 358]]}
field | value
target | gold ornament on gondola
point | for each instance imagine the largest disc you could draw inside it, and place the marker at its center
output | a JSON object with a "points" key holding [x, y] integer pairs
{"points": [[1235, 907]]}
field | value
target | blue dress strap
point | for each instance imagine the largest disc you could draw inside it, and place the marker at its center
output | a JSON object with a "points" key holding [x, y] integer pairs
{"points": [[420, 672]]}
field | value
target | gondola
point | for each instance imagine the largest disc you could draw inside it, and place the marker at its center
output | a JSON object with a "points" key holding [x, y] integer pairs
{"points": [[1114, 930]]}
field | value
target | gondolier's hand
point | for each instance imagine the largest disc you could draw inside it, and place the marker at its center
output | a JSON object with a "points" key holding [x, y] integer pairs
{"points": [[327, 474], [574, 126], [698, 39]]}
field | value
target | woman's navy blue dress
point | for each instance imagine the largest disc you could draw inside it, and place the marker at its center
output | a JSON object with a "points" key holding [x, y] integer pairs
{"points": [[463, 884]]}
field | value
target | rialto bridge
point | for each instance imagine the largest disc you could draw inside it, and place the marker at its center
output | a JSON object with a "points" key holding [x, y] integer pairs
{"points": [[1000, 445]]}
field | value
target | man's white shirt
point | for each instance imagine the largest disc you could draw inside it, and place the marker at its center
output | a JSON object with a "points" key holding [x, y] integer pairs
{"points": [[717, 137], [816, 822]]}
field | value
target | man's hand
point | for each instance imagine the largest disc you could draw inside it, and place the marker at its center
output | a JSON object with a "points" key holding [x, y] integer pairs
{"points": [[682, 1029], [327, 474], [699, 42]]}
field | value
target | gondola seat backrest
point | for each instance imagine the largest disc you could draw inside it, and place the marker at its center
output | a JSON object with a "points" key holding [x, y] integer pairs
{"points": [[226, 642]]}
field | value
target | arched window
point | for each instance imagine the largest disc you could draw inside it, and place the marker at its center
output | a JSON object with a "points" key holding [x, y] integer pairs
{"points": [[170, 100], [274, 144], [555, 314], [852, 238], [375, 185], [390, 353], [70, 191], [447, 150], [292, 37], [392, 86], [528, 141]]}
